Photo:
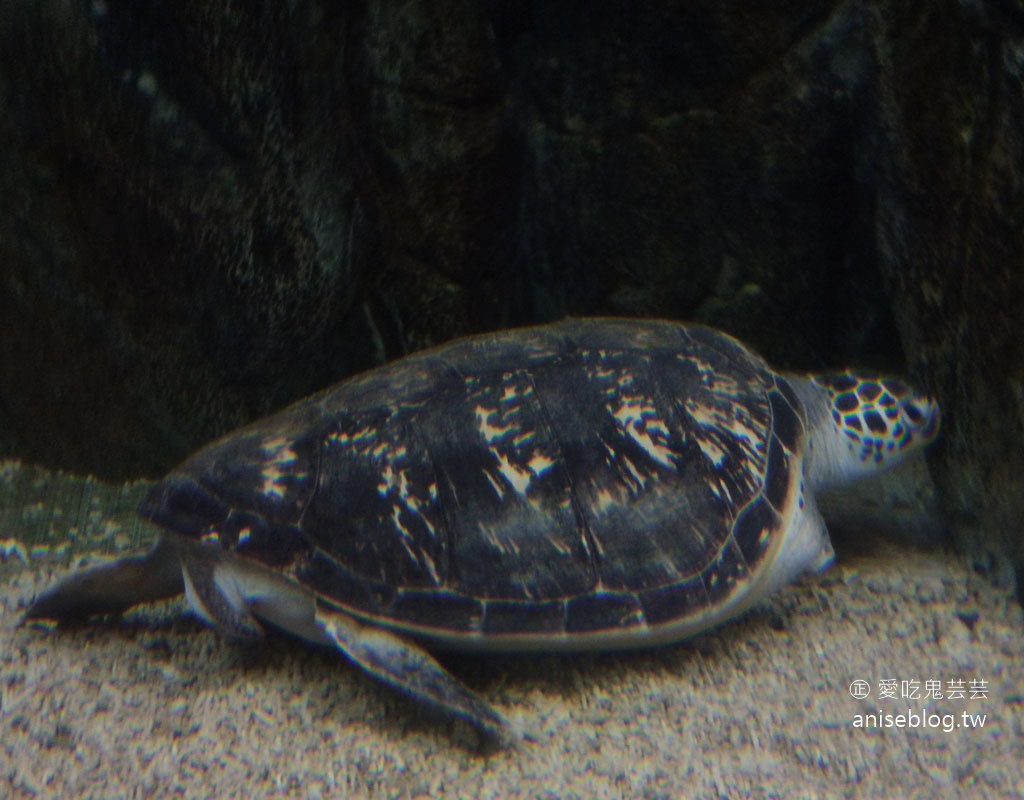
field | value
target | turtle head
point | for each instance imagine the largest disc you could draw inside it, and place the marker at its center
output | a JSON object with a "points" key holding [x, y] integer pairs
{"points": [[872, 424]]}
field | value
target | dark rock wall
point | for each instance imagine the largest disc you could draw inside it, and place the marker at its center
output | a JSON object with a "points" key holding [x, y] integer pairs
{"points": [[950, 233], [209, 209], [180, 235]]}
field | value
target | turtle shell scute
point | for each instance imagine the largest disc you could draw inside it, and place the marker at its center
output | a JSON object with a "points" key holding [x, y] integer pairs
{"points": [[584, 477]]}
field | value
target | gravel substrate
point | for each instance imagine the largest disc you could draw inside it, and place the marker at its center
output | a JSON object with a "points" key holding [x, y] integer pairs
{"points": [[155, 705]]}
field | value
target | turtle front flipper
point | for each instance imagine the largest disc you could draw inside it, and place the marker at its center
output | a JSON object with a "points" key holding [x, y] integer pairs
{"points": [[114, 587], [405, 666]]}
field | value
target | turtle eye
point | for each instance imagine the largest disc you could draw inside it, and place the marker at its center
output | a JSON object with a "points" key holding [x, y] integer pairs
{"points": [[921, 415], [913, 412]]}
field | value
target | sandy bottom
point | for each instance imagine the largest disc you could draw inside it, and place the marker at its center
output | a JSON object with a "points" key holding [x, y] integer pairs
{"points": [[154, 705]]}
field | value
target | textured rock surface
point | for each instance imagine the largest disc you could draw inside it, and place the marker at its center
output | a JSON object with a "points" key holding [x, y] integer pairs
{"points": [[950, 236], [207, 211]]}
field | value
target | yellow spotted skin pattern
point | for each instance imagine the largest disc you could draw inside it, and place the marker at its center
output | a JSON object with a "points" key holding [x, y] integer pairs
{"points": [[881, 419]]}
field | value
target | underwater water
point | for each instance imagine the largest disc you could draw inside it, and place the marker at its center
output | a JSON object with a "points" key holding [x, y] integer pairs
{"points": [[210, 210]]}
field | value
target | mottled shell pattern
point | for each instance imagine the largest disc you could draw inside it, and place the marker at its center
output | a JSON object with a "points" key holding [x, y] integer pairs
{"points": [[592, 478]]}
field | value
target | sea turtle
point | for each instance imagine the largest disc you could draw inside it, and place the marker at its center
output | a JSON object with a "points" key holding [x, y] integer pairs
{"points": [[590, 484]]}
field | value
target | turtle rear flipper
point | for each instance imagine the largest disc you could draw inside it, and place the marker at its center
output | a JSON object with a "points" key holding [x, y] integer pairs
{"points": [[216, 595], [232, 594], [404, 665], [114, 587]]}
